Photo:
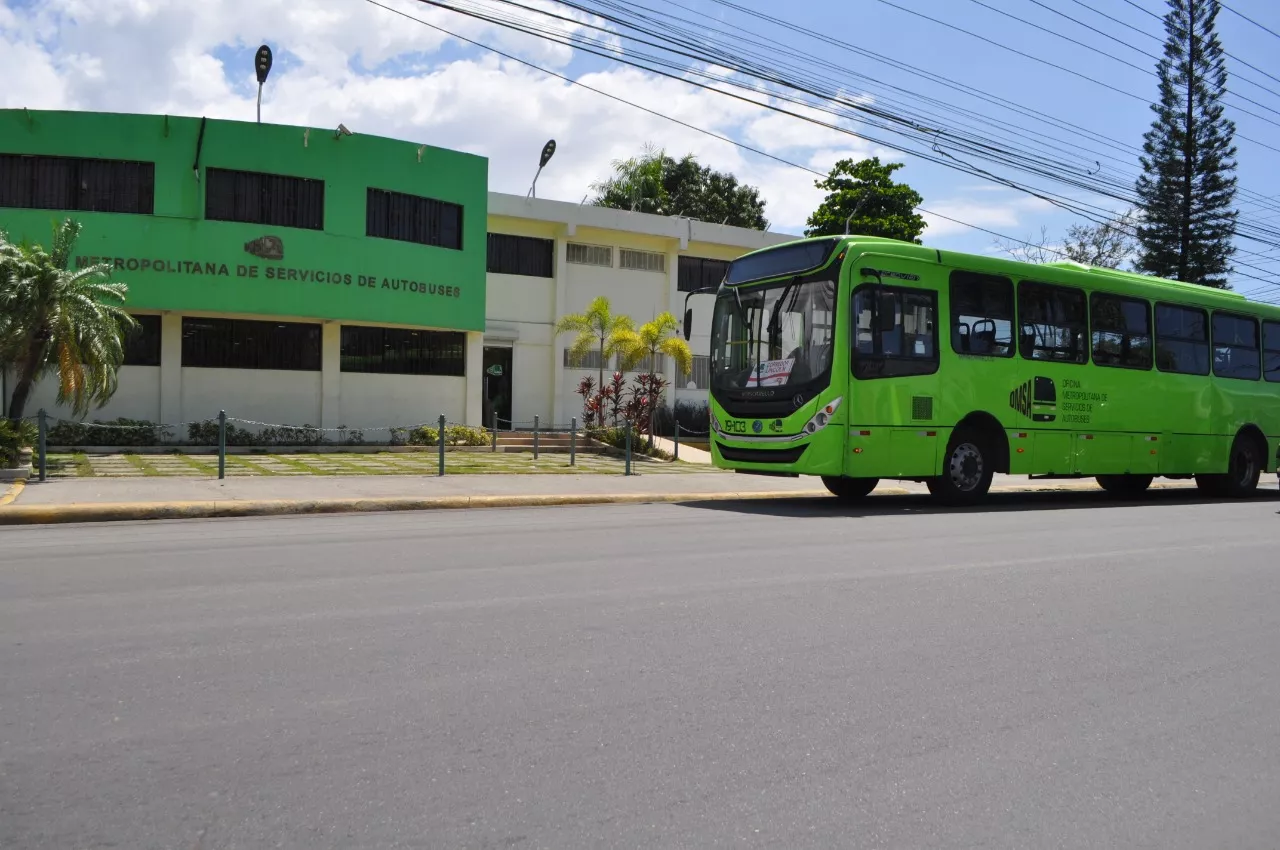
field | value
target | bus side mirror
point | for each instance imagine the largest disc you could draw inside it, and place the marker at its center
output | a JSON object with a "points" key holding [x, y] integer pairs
{"points": [[688, 323]]}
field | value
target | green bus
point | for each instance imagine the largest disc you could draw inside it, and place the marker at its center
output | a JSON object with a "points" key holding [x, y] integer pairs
{"points": [[860, 358]]}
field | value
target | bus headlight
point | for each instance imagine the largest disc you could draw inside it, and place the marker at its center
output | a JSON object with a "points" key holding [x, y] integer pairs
{"points": [[822, 417], [715, 423]]}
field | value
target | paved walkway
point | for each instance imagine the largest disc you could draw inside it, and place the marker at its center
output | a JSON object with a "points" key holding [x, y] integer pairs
{"points": [[342, 463]]}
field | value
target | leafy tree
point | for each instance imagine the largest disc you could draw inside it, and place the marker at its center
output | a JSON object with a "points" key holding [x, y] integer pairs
{"points": [[643, 345], [1188, 183], [657, 183], [56, 318], [1108, 244], [597, 329], [865, 190]]}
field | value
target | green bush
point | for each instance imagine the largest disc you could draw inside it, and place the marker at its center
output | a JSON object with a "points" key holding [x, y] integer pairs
{"points": [[454, 435], [114, 432], [617, 437], [15, 436]]}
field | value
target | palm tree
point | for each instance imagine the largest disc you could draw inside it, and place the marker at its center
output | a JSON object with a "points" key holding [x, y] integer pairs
{"points": [[52, 317], [597, 329], [659, 336]]}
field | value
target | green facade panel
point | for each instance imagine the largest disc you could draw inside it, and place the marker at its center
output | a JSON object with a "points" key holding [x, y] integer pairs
{"points": [[177, 260]]}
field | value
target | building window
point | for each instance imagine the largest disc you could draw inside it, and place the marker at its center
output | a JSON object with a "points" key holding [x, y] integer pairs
{"points": [[589, 360], [1121, 331], [701, 375], [256, 198], [895, 333], [590, 255], [700, 273], [399, 351], [142, 345], [981, 315], [523, 255], [1271, 350], [1182, 340], [641, 261], [1235, 347], [241, 344], [68, 183], [1054, 323], [409, 218]]}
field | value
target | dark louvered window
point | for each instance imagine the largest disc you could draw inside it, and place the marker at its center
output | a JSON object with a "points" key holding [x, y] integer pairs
{"points": [[700, 273], [398, 351], [524, 255], [409, 218], [67, 183], [240, 344], [142, 345], [257, 198]]}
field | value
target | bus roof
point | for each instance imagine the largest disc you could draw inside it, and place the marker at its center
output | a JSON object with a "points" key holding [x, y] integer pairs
{"points": [[1068, 271]]}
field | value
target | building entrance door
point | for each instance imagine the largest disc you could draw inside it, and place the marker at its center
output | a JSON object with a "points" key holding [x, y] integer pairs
{"points": [[497, 386]]}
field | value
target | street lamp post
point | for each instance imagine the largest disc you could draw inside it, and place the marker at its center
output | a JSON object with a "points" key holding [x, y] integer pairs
{"points": [[548, 151], [262, 66]]}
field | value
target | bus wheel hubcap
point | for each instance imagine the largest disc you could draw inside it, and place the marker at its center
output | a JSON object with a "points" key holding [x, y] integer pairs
{"points": [[966, 466]]}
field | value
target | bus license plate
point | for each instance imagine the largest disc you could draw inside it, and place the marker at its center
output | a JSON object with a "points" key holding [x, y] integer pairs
{"points": [[735, 426]]}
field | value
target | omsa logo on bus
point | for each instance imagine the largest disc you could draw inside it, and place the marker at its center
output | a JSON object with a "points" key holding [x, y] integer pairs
{"points": [[1037, 399], [771, 373]]}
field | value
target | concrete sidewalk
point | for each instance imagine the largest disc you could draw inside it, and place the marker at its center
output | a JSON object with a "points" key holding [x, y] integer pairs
{"points": [[102, 499]]}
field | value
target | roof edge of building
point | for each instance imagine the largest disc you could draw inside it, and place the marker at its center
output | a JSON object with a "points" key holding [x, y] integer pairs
{"points": [[605, 218]]}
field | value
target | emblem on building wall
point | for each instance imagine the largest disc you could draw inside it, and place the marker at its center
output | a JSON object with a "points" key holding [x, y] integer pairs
{"points": [[266, 247]]}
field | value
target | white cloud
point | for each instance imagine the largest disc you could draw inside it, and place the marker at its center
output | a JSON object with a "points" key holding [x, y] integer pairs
{"points": [[345, 61]]}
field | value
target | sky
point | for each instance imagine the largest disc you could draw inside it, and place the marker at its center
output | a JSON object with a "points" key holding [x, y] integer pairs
{"points": [[351, 62]]}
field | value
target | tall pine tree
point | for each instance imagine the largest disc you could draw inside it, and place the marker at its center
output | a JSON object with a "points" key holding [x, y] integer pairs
{"points": [[1188, 181]]}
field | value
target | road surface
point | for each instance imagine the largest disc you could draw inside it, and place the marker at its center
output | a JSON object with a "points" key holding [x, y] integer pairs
{"points": [[1050, 672]]}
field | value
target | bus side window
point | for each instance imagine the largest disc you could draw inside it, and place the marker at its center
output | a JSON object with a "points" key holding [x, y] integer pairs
{"points": [[896, 332], [981, 314], [1182, 340], [1271, 350]]}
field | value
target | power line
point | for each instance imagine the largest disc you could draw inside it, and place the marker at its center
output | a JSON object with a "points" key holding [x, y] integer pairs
{"points": [[1249, 19], [726, 139], [653, 112], [611, 51]]}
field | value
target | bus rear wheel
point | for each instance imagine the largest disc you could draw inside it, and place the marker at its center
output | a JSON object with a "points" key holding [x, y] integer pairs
{"points": [[966, 471], [1243, 472], [849, 489], [1125, 486]]}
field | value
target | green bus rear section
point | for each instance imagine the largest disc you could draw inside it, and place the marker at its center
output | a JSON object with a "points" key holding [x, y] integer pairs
{"points": [[1108, 420]]}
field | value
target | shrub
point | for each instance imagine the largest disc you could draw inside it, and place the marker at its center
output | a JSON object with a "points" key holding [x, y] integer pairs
{"points": [[15, 436], [694, 419], [454, 435], [115, 432]]}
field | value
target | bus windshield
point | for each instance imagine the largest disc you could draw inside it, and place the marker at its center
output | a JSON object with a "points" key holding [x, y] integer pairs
{"points": [[778, 335]]}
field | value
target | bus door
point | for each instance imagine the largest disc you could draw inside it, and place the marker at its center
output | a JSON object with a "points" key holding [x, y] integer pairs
{"points": [[894, 337]]}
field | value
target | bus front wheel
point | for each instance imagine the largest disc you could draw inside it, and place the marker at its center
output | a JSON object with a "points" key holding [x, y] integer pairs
{"points": [[1125, 486], [849, 489], [966, 471]]}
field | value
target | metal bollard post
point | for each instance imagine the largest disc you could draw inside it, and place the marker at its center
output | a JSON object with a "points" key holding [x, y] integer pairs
{"points": [[628, 472], [573, 441], [222, 444], [676, 442], [535, 436], [493, 438], [442, 430], [44, 430]]}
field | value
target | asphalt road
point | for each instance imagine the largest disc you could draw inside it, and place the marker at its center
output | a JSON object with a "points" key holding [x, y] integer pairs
{"points": [[1052, 672]]}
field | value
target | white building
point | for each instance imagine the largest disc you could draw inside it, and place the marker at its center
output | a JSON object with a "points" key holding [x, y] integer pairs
{"points": [[546, 259]]}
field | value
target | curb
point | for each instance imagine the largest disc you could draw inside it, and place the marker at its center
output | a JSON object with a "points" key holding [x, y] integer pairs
{"points": [[15, 487], [137, 511], [134, 511]]}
